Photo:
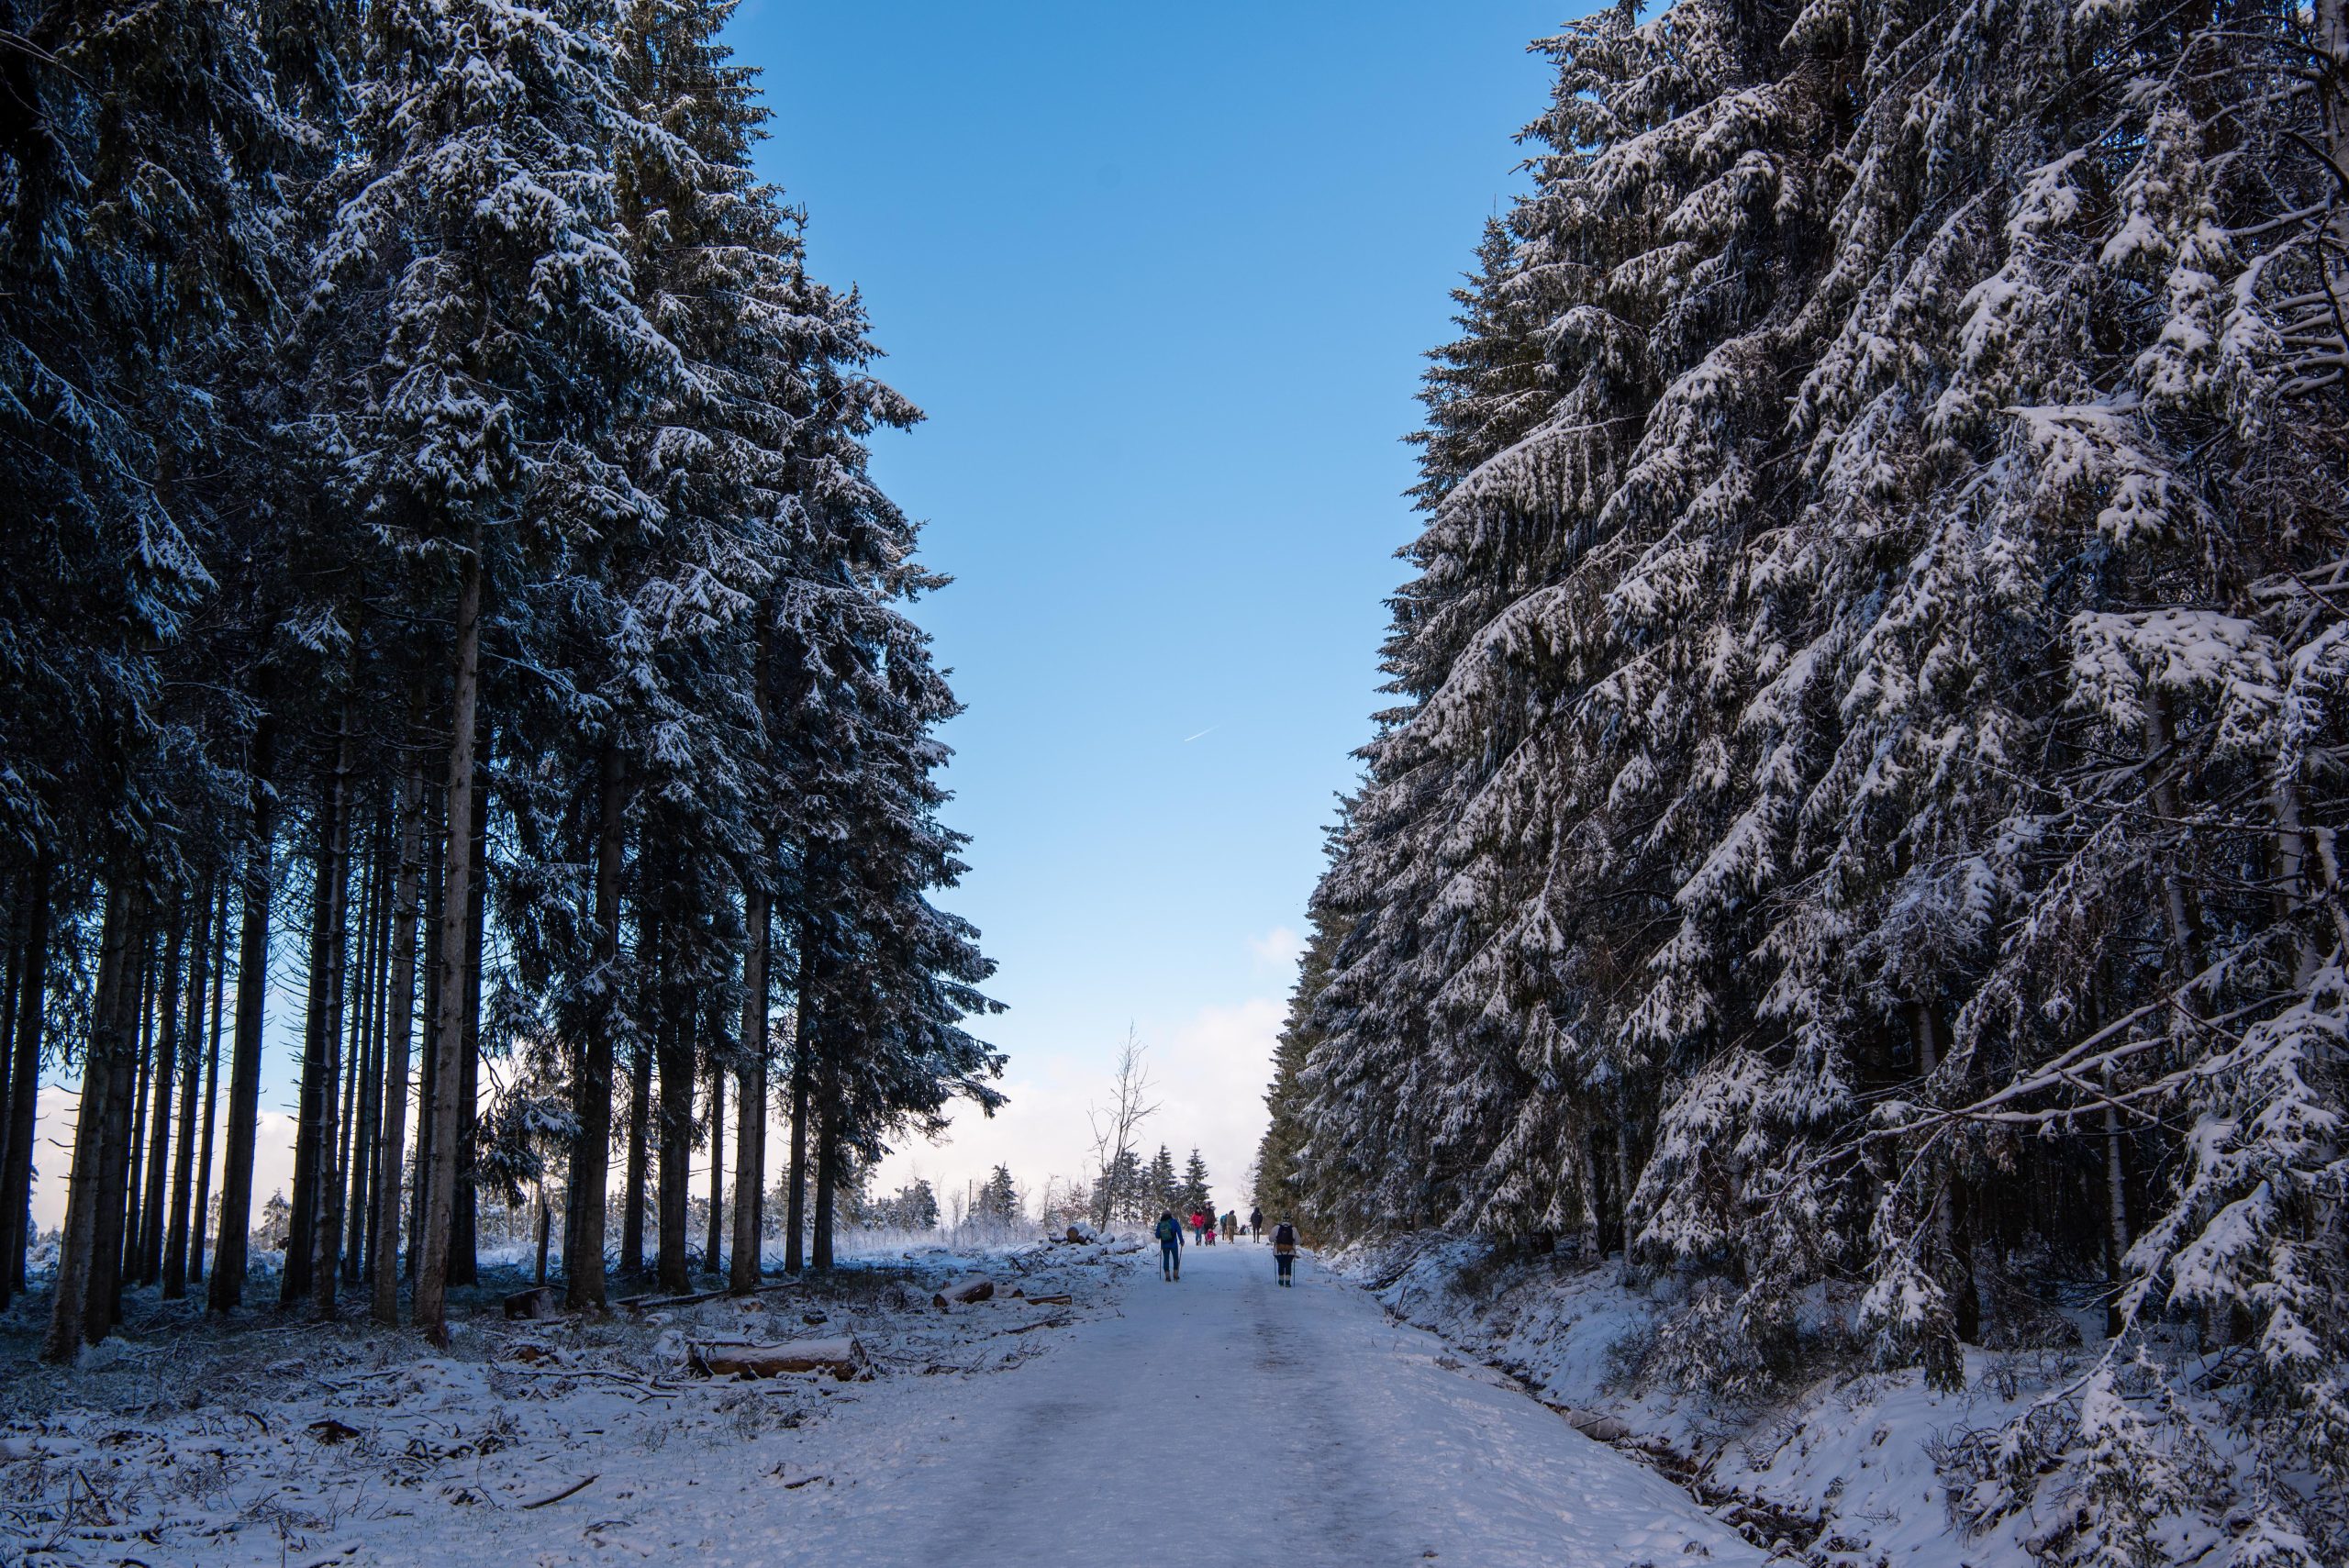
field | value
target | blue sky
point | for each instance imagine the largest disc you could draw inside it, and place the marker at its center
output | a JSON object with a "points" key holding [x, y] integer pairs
{"points": [[1161, 278]]}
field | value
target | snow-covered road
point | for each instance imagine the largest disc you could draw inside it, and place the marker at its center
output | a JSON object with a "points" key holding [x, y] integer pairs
{"points": [[1217, 1423], [1226, 1423]]}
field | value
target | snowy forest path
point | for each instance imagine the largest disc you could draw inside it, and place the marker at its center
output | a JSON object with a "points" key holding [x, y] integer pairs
{"points": [[1225, 1422]]}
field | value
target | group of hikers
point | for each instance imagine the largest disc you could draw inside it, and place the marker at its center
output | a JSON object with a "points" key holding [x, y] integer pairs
{"points": [[1204, 1227]]}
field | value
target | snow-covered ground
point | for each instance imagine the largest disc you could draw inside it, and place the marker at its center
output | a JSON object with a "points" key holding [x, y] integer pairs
{"points": [[298, 1443], [1218, 1421]]}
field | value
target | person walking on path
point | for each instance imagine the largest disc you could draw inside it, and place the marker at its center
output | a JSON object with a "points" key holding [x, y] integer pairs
{"points": [[1199, 1225], [1284, 1252], [1256, 1225], [1170, 1247], [1231, 1225]]}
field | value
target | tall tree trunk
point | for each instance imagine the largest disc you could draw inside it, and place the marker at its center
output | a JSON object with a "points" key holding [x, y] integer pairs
{"points": [[309, 1122], [326, 1188], [464, 1263], [110, 1260], [440, 1182], [751, 1111], [1954, 1243], [134, 1149], [174, 1272], [399, 1017], [227, 1291], [591, 1152], [2179, 901], [794, 1202], [2332, 18], [83, 1306], [640, 1104], [544, 1219], [201, 1217], [376, 936], [354, 1070], [1594, 1227], [159, 1142], [434, 906], [1623, 1185], [2290, 857], [2116, 1209], [24, 1083], [19, 915], [675, 1121], [828, 1159], [716, 1239]]}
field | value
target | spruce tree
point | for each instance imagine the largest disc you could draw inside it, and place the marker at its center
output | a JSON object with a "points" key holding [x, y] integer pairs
{"points": [[1193, 1195], [1159, 1186]]}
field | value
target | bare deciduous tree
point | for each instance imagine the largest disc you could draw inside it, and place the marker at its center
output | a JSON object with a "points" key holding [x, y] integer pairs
{"points": [[1114, 1125]]}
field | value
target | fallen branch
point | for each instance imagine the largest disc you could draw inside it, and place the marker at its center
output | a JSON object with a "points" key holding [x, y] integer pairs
{"points": [[579, 1486]]}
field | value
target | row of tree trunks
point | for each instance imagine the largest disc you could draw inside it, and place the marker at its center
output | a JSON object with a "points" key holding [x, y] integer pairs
{"points": [[142, 1171]]}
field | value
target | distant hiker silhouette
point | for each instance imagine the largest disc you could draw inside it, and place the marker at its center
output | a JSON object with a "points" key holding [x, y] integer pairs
{"points": [[1256, 1223], [1170, 1247], [1284, 1252]]}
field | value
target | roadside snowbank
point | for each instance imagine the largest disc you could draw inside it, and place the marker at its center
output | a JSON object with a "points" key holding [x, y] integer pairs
{"points": [[1847, 1467]]}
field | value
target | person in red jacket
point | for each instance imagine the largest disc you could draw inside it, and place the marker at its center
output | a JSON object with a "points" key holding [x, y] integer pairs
{"points": [[1199, 1225]]}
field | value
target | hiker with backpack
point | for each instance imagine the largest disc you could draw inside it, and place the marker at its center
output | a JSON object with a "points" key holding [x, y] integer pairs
{"points": [[1285, 1253], [1256, 1224], [1170, 1247]]}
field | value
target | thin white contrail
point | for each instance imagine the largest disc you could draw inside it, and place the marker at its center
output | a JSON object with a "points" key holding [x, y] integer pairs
{"points": [[1209, 730]]}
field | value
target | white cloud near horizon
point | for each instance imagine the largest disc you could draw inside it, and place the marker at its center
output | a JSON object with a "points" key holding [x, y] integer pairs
{"points": [[1279, 947]]}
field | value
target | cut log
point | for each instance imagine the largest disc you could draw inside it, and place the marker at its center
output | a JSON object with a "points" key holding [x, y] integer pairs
{"points": [[1081, 1231], [963, 1292], [843, 1357], [642, 1303], [537, 1302]]}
